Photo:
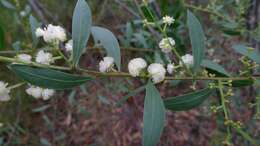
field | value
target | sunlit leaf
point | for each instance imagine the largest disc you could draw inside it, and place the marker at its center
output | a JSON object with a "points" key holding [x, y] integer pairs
{"points": [[48, 78], [154, 116], [81, 26], [197, 39], [107, 39]]}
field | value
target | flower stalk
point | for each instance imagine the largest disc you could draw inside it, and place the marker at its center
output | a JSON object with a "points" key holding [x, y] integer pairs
{"points": [[230, 124], [17, 85], [225, 111]]}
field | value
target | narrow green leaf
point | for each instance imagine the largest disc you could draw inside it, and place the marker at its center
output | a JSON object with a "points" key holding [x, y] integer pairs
{"points": [[242, 83], [2, 38], [231, 32], [147, 14], [109, 42], [7, 4], [246, 51], [154, 116], [34, 25], [214, 68], [219, 71], [81, 25], [197, 39], [164, 5], [187, 101], [48, 78]]}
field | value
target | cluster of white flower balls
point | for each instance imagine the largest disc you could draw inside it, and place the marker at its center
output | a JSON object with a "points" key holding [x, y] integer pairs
{"points": [[55, 34], [157, 71], [50, 34], [38, 92], [138, 65], [34, 91]]}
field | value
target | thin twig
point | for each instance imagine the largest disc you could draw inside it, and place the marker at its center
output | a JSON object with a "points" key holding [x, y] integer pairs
{"points": [[121, 74]]}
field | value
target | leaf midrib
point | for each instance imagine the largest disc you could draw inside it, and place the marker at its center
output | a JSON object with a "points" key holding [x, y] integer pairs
{"points": [[42, 77], [189, 100]]}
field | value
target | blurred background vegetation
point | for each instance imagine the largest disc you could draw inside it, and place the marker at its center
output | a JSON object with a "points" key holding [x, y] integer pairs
{"points": [[90, 115]]}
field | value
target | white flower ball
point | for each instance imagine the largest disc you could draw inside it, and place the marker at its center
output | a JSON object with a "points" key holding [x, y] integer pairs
{"points": [[4, 92], [43, 58], [170, 68], [52, 33], [47, 94], [38, 92], [23, 13], [35, 92], [157, 71], [168, 20], [24, 57], [166, 44], [69, 46], [136, 65], [187, 60], [106, 64]]}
